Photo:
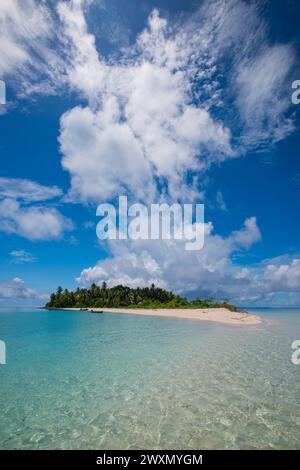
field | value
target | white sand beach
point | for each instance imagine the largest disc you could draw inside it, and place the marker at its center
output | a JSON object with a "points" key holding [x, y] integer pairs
{"points": [[221, 315]]}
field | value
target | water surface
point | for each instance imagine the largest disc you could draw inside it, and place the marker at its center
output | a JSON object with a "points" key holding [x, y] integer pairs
{"points": [[116, 381]]}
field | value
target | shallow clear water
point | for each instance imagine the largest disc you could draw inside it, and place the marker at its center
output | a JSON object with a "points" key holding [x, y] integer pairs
{"points": [[80, 380]]}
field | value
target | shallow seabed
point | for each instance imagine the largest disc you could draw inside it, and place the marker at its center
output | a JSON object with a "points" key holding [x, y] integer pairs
{"points": [[76, 380]]}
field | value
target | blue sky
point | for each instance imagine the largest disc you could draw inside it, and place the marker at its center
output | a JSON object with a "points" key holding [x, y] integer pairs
{"points": [[167, 100]]}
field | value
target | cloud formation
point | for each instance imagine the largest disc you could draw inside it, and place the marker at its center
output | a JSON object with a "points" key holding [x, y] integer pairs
{"points": [[167, 263], [146, 129], [24, 25], [17, 289], [187, 94], [155, 111], [22, 256], [151, 120], [22, 211], [283, 277], [27, 190], [210, 271]]}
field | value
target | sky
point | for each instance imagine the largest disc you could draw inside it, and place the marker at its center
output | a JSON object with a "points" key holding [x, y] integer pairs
{"points": [[162, 101]]}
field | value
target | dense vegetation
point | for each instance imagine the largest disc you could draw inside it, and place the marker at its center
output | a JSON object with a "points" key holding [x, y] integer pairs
{"points": [[122, 296]]}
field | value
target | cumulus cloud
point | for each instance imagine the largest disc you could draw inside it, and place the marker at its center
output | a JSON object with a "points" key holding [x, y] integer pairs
{"points": [[102, 154], [17, 289], [187, 94], [167, 91], [174, 102], [157, 104], [22, 213], [212, 271], [283, 277], [33, 222], [146, 128], [168, 264]]}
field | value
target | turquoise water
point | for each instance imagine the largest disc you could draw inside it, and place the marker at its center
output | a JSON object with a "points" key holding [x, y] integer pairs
{"points": [[75, 380]]}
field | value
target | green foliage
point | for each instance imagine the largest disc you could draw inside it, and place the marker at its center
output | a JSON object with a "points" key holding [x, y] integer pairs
{"points": [[123, 296]]}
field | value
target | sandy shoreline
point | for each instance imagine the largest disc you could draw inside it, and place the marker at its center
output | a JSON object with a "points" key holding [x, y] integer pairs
{"points": [[221, 315]]}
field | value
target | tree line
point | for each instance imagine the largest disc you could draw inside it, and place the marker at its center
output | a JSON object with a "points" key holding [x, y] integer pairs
{"points": [[123, 296]]}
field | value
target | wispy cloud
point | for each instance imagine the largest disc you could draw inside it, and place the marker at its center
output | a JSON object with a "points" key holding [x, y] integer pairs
{"points": [[22, 256], [27, 190], [24, 26], [263, 96]]}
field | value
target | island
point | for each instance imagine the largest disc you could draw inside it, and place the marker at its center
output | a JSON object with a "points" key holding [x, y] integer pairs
{"points": [[153, 301]]}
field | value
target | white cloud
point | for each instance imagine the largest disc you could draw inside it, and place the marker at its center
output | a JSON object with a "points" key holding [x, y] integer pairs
{"points": [[147, 126], [168, 264], [246, 236], [85, 71], [23, 25], [56, 44], [155, 118], [167, 91], [29, 60], [283, 277], [27, 190], [263, 97], [255, 73], [173, 103], [19, 213], [33, 222], [22, 256], [212, 271], [102, 154], [17, 289], [155, 105]]}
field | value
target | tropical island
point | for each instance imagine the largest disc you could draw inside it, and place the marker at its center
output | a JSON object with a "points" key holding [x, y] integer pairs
{"points": [[152, 301], [122, 296]]}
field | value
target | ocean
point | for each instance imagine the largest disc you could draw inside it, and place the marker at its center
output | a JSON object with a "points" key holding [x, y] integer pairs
{"points": [[77, 380]]}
